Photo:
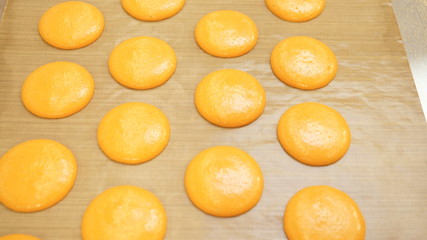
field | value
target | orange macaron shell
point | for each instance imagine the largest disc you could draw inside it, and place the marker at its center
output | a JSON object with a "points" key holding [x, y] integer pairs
{"points": [[124, 212], [36, 174], [226, 33], [230, 98], [323, 212], [57, 90], [314, 134], [71, 25], [133, 133], [147, 10], [18, 237], [296, 10], [142, 62], [304, 62], [224, 181]]}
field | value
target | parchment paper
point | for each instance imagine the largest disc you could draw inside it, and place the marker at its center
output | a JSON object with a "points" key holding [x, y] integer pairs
{"points": [[384, 171]]}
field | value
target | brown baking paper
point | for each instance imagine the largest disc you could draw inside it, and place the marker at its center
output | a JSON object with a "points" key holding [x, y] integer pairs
{"points": [[384, 171]]}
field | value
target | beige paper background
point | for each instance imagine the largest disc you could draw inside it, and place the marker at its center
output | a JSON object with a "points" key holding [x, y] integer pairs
{"points": [[385, 170]]}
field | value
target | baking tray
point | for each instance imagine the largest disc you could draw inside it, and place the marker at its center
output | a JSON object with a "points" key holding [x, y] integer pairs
{"points": [[384, 171]]}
